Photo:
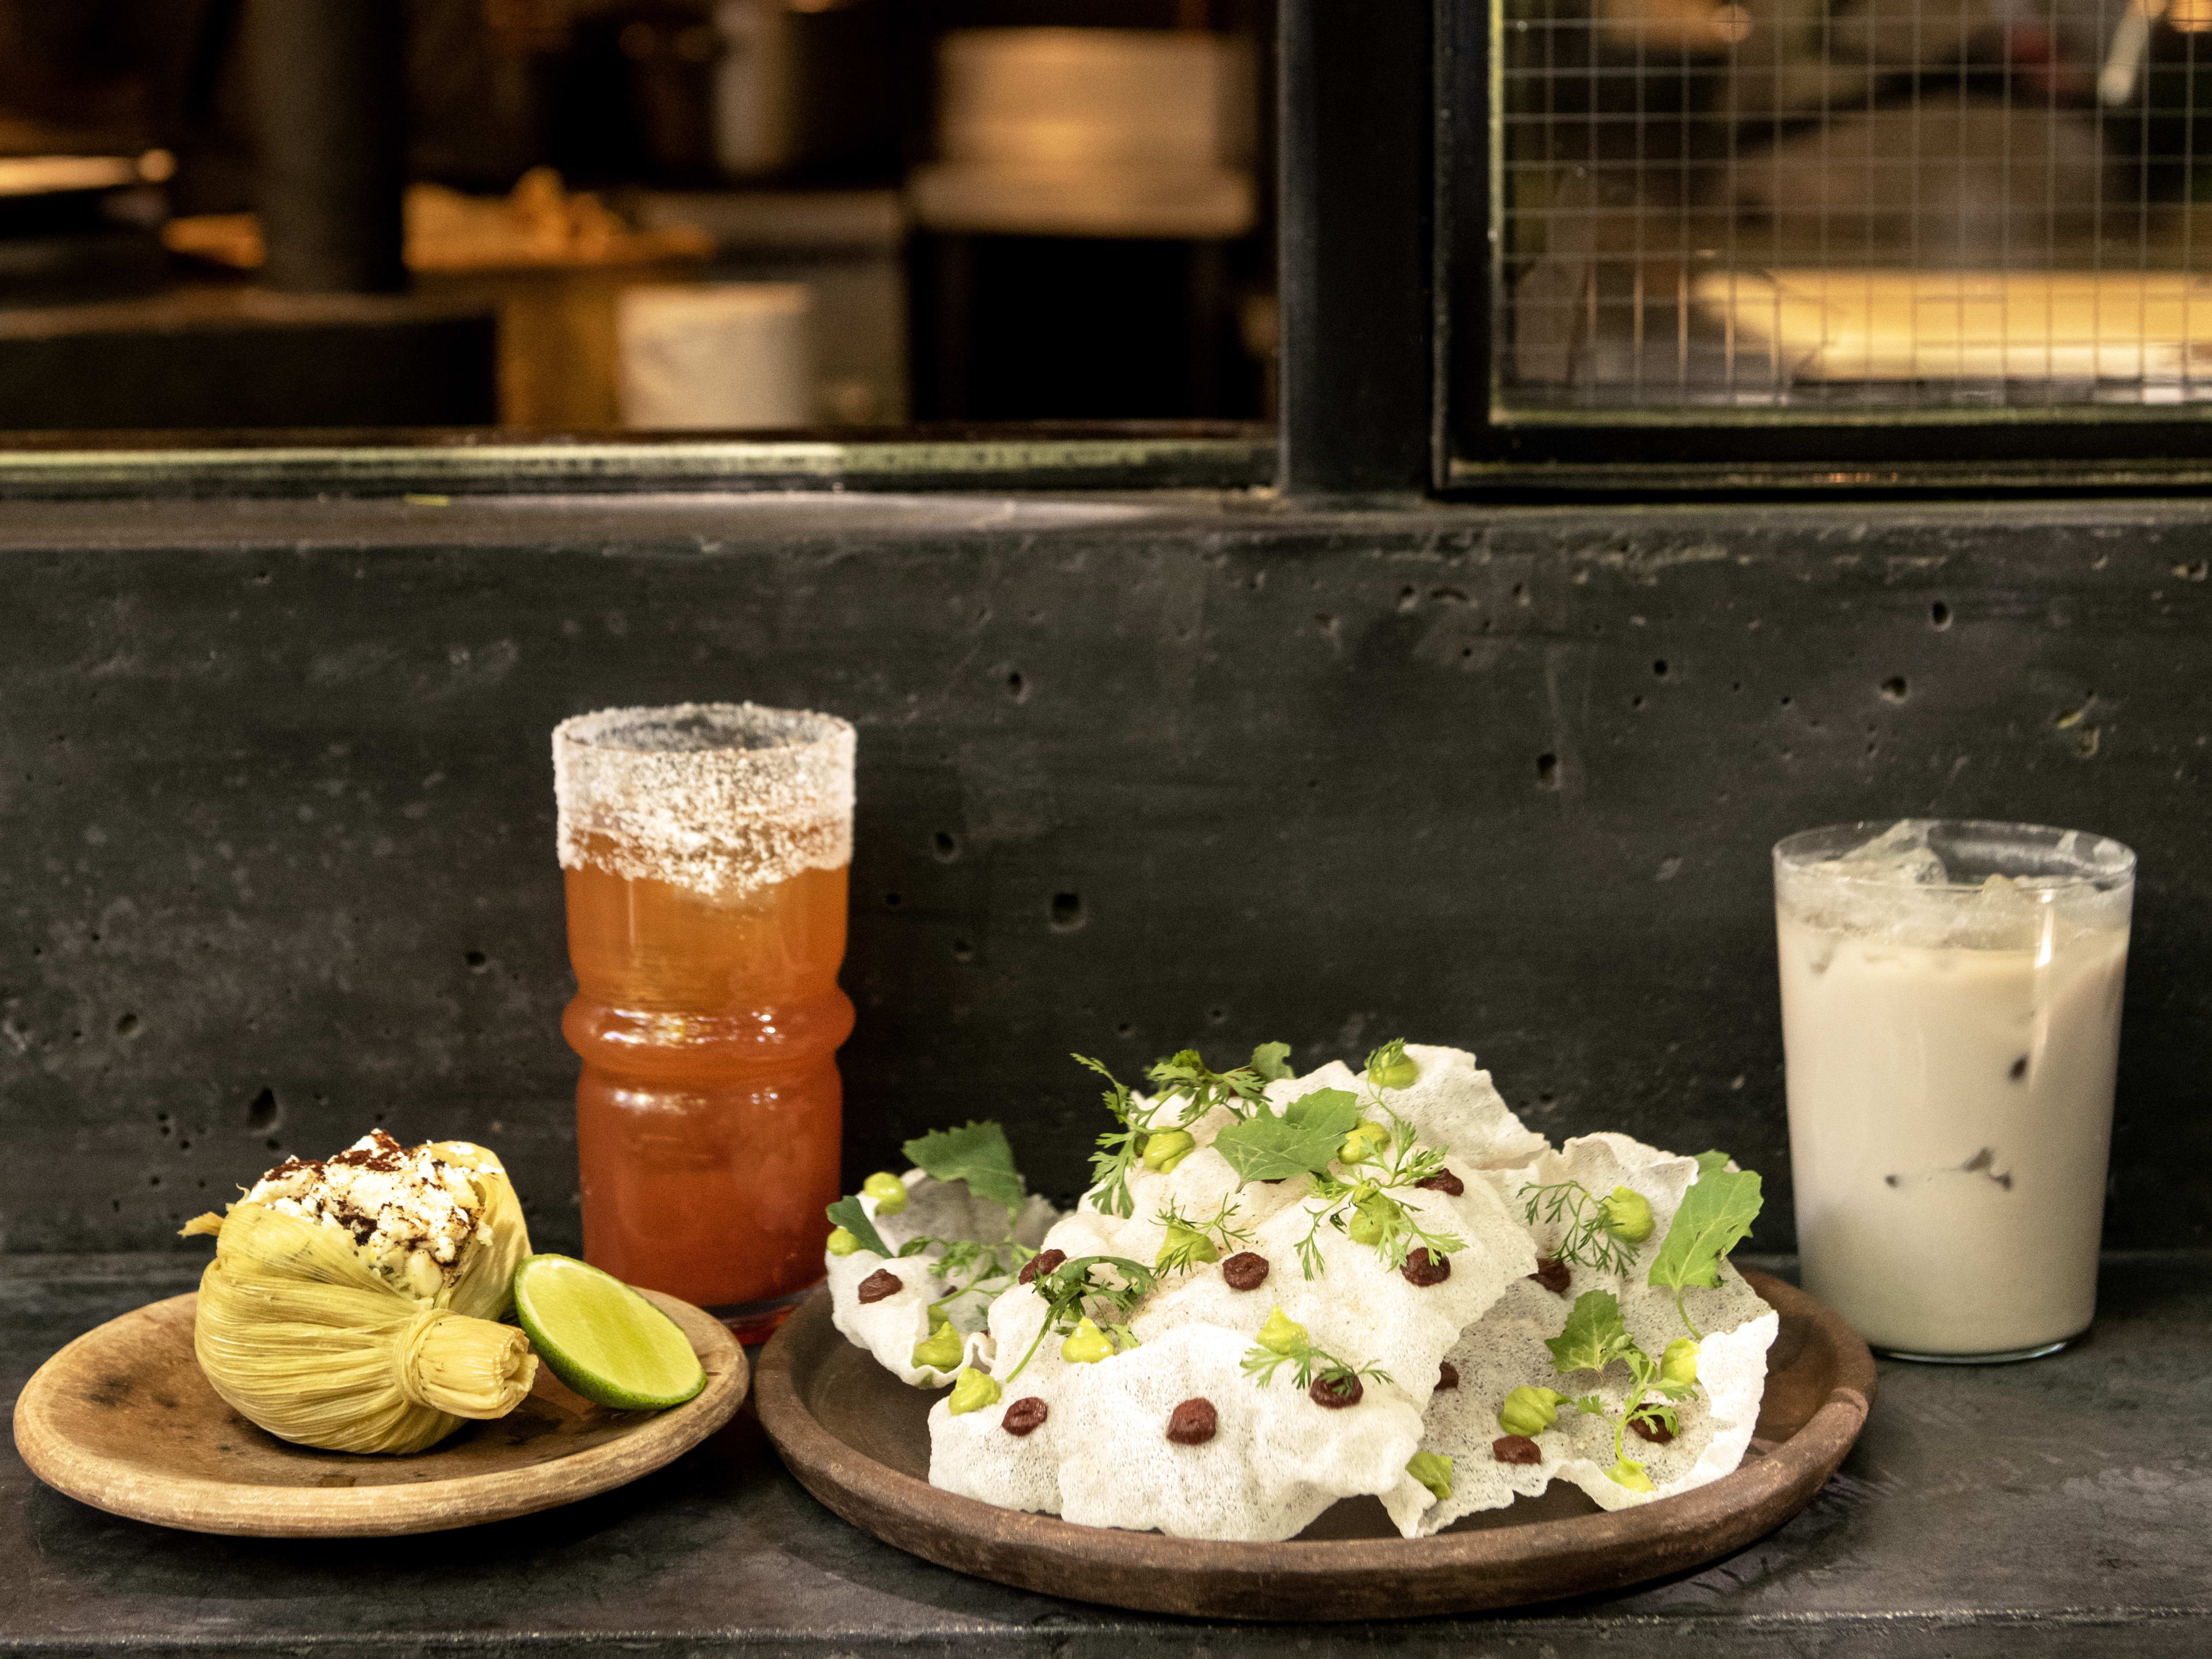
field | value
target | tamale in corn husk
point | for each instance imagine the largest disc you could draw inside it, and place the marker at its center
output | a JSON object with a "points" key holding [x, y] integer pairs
{"points": [[320, 1327]]}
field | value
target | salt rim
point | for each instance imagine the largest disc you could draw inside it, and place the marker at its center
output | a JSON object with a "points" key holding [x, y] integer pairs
{"points": [[722, 798]]}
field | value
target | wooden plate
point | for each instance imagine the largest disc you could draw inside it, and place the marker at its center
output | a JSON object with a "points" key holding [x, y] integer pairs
{"points": [[858, 1439], [123, 1419]]}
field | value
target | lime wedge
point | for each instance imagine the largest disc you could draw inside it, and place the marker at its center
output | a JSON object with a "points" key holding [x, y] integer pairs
{"points": [[602, 1337]]}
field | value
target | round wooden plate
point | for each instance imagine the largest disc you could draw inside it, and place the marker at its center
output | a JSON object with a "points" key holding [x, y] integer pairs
{"points": [[123, 1419], [858, 1439]]}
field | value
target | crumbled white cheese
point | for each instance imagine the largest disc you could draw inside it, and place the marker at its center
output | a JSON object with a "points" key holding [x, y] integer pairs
{"points": [[409, 1211]]}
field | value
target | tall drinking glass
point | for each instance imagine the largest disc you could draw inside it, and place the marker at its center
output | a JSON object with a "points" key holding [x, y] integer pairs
{"points": [[704, 848], [1951, 1019]]}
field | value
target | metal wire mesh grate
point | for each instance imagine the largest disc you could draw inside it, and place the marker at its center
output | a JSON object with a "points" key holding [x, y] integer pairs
{"points": [[1935, 205]]}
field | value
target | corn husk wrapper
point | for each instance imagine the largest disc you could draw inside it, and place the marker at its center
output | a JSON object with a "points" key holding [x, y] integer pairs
{"points": [[299, 1334]]}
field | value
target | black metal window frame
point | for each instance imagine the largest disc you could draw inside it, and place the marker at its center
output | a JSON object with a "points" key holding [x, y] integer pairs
{"points": [[1388, 266], [1481, 442]]}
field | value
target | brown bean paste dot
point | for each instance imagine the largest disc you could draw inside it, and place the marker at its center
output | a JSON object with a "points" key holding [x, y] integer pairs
{"points": [[1424, 1269], [1448, 1376], [1043, 1263], [1552, 1274], [1336, 1393], [1193, 1423], [1245, 1270], [1024, 1416], [1515, 1449], [878, 1284], [1445, 1181], [1657, 1433]]}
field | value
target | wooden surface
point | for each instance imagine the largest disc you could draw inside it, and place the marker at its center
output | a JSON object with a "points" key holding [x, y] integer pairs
{"points": [[123, 1419], [858, 1439]]}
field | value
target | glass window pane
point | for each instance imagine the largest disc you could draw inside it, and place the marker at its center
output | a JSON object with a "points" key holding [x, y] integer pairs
{"points": [[1810, 208]]}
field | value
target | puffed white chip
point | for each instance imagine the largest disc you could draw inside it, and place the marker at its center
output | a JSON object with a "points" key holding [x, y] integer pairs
{"points": [[1356, 1308], [1452, 1103], [973, 1454], [1275, 1463], [1505, 1350], [1600, 1163], [892, 1327]]}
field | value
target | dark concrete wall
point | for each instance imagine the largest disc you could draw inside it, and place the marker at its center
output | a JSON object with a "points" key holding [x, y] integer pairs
{"points": [[277, 814]]}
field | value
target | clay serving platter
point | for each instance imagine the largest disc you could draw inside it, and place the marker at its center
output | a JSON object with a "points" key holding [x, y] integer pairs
{"points": [[858, 1439], [123, 1419]]}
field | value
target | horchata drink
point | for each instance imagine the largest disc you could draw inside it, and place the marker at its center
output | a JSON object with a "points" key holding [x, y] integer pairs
{"points": [[705, 849], [1951, 1017]]}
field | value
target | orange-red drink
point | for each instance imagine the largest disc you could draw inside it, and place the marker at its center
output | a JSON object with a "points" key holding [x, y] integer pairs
{"points": [[705, 850]]}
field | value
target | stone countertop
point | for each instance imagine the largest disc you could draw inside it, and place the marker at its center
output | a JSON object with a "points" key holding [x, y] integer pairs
{"points": [[2065, 1505]]}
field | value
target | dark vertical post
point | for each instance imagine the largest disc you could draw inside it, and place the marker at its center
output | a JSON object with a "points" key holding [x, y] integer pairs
{"points": [[1355, 97], [328, 83]]}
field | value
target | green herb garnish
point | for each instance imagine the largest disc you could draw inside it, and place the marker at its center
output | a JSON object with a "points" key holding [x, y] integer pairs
{"points": [[1302, 1140], [976, 1153], [989, 1268], [1364, 1210], [1596, 1336], [1715, 1217], [1186, 1077], [1118, 1148], [1590, 1240], [848, 1212], [1190, 1242], [1071, 1295], [1283, 1341]]}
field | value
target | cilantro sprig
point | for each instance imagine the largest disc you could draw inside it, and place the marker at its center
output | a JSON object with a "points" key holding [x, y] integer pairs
{"points": [[1715, 1217], [1191, 1241], [989, 1268], [1364, 1210], [1184, 1076], [1189, 1090], [1595, 1336], [1588, 1240], [1072, 1292], [1309, 1362]]}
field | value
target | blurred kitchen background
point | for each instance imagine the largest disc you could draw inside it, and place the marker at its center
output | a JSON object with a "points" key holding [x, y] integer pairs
{"points": [[583, 215], [1886, 206]]}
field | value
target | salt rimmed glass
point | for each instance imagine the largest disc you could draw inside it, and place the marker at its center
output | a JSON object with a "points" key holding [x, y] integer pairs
{"points": [[704, 848], [1951, 996]]}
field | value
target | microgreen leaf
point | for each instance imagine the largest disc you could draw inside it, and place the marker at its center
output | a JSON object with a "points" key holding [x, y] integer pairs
{"points": [[1587, 1241], [1192, 1239], [848, 1212], [976, 1153], [1118, 1148], [1071, 1295], [1185, 1076], [1260, 1363], [1271, 1062], [1715, 1217], [1596, 1335], [1301, 1141]]}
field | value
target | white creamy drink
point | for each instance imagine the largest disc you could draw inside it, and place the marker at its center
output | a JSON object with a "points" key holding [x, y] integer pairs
{"points": [[1951, 1017]]}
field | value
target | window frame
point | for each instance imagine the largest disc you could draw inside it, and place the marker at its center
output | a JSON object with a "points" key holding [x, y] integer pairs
{"points": [[1658, 450]]}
